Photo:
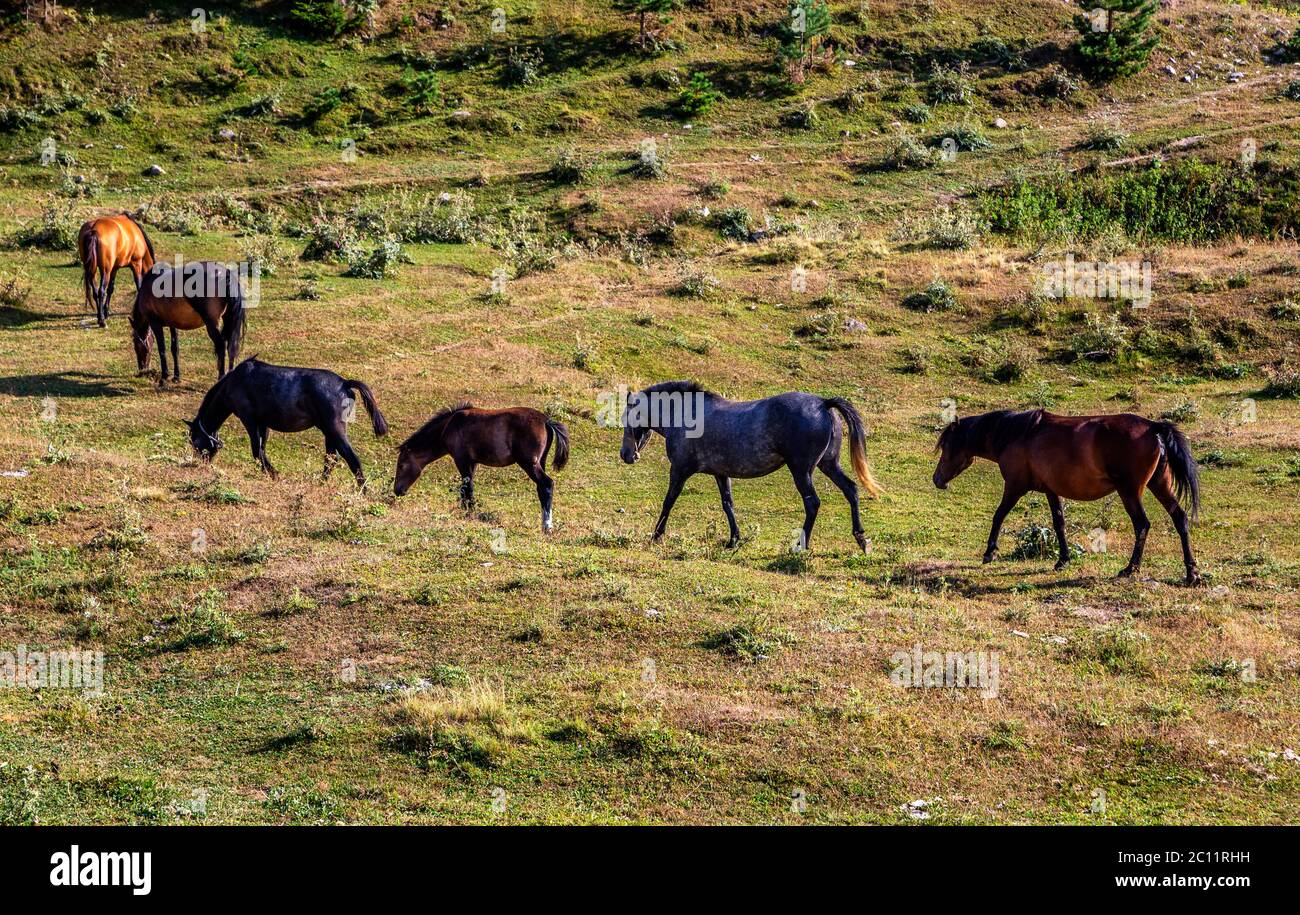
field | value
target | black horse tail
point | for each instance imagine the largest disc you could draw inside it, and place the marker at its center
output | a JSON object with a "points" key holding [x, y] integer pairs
{"points": [[148, 243], [558, 433], [232, 323], [1178, 457], [857, 437], [381, 424], [88, 248]]}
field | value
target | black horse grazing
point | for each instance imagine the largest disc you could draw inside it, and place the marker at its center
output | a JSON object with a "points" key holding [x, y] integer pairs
{"points": [[285, 399], [1079, 457], [706, 433], [495, 438]]}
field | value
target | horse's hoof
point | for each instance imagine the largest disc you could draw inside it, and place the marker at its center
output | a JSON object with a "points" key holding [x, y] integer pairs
{"points": [[732, 544], [1126, 572], [988, 557], [1193, 578], [1060, 564]]}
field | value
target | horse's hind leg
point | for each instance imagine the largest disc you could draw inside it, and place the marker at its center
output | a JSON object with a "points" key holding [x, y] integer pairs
{"points": [[676, 480], [108, 297], [545, 491], [1162, 488], [331, 458], [344, 448], [214, 334], [1133, 505], [1058, 524], [831, 467], [724, 491], [101, 297], [1009, 499], [176, 355], [803, 481]]}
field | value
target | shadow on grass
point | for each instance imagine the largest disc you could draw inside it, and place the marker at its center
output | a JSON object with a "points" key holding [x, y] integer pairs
{"points": [[62, 384]]}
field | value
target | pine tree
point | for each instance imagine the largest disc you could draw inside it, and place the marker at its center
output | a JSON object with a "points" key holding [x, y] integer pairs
{"points": [[643, 9], [801, 34], [1115, 36]]}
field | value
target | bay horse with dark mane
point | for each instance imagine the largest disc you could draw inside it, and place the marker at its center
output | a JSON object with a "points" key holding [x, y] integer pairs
{"points": [[285, 399], [105, 245], [494, 438], [198, 294], [706, 433], [1084, 458]]}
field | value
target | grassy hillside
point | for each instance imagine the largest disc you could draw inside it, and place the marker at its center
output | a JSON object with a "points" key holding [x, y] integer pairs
{"points": [[293, 651]]}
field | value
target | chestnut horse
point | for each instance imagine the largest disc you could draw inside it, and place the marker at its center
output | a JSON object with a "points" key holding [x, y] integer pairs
{"points": [[1079, 457], [106, 245], [199, 294], [496, 438]]}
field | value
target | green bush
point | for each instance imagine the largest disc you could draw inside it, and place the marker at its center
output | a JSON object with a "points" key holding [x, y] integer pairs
{"points": [[938, 296], [321, 18], [698, 96], [1123, 46]]}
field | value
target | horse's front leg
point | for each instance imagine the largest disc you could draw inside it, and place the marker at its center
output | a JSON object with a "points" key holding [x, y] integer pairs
{"points": [[176, 355], [157, 328], [1010, 496], [1058, 524], [466, 469], [676, 480]]}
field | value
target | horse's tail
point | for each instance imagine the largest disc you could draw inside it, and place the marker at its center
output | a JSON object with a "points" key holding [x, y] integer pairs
{"points": [[1182, 466], [88, 248], [558, 433], [857, 437], [381, 425], [148, 243], [232, 325]]}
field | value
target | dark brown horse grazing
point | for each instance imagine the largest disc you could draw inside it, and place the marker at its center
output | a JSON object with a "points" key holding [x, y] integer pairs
{"points": [[1079, 457], [106, 245], [199, 294], [497, 438]]}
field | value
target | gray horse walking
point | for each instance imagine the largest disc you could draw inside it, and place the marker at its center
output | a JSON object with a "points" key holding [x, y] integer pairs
{"points": [[706, 433]]}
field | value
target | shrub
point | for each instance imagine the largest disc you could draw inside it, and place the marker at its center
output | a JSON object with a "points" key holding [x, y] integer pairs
{"points": [[917, 113], [967, 138], [694, 283], [1292, 90], [570, 166], [906, 152], [56, 230], [1283, 379], [698, 96], [650, 161], [200, 625], [14, 291], [421, 89], [1103, 136], [328, 237], [949, 86], [321, 18], [938, 296], [751, 641], [522, 67], [1102, 339], [1057, 84], [373, 263], [799, 49], [737, 223], [263, 253]]}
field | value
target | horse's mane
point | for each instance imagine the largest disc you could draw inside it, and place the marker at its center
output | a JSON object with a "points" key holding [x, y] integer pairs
{"points": [[427, 435], [992, 431], [148, 243], [678, 387]]}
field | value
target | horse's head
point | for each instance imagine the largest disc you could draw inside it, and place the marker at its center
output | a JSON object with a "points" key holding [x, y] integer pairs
{"points": [[202, 441], [410, 464], [636, 427], [142, 341], [957, 452]]}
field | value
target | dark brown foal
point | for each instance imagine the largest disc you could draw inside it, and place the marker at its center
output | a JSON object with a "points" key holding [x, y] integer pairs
{"points": [[1079, 457], [495, 438]]}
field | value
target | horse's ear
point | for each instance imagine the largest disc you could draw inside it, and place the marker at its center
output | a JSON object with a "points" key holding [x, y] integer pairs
{"points": [[189, 424]]}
